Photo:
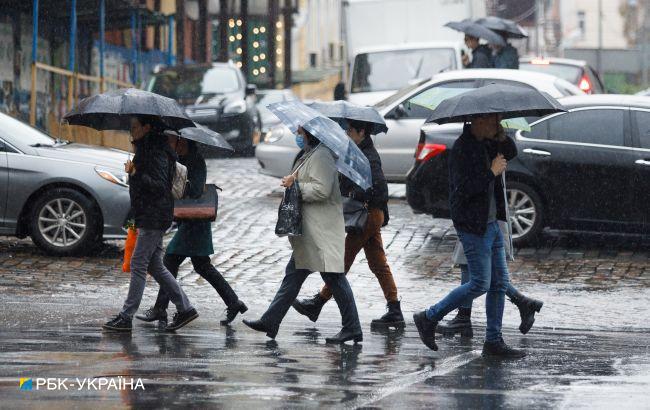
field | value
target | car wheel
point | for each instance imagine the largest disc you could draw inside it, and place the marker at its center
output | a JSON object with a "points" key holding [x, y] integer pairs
{"points": [[526, 212], [64, 222]]}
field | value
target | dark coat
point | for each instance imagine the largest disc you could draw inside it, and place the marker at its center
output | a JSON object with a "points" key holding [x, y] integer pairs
{"points": [[152, 203], [481, 57], [507, 57], [470, 175], [193, 238], [377, 195]]}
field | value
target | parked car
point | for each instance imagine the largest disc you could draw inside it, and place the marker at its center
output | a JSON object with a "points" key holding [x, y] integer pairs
{"points": [[405, 118], [576, 72], [66, 196], [266, 97], [215, 95], [586, 169]]}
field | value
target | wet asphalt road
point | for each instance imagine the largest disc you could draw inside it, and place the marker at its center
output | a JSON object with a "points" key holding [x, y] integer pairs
{"points": [[589, 348]]}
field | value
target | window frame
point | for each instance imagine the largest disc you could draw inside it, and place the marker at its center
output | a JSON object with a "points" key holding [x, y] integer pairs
{"points": [[391, 112], [635, 137]]}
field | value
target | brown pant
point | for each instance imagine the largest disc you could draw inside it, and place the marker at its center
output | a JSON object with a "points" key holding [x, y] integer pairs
{"points": [[370, 241]]}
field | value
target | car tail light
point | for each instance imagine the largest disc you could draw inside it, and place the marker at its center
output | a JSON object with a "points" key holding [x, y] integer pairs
{"points": [[427, 151], [585, 85]]}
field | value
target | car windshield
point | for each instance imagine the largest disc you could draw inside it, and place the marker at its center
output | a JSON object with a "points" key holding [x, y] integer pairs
{"points": [[17, 132], [190, 84], [376, 71], [398, 95], [569, 73], [267, 97]]}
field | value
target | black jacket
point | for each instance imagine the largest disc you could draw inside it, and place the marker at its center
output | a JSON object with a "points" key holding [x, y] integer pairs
{"points": [[481, 57], [377, 195], [470, 175], [152, 203]]}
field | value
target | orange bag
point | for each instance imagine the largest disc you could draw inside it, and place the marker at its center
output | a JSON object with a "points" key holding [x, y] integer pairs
{"points": [[129, 245]]}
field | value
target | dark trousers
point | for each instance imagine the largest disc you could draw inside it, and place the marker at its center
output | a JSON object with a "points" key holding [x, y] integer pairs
{"points": [[290, 287], [203, 266]]}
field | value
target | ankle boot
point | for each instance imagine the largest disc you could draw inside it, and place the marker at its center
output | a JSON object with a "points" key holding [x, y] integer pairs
{"points": [[462, 324], [310, 307], [527, 308], [393, 317], [233, 310]]}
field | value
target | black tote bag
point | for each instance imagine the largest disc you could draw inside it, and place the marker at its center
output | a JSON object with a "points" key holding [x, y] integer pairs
{"points": [[355, 214], [290, 212]]}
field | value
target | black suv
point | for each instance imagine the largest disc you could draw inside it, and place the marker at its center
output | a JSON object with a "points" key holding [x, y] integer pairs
{"points": [[583, 170], [214, 95]]}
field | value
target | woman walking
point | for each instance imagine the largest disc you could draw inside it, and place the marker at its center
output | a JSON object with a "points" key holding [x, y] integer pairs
{"points": [[321, 246], [193, 240], [369, 239]]}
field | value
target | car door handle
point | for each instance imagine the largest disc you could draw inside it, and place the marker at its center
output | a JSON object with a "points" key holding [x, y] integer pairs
{"points": [[537, 152], [642, 162]]}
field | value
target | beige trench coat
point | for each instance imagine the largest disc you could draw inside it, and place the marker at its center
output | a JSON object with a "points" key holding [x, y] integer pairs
{"points": [[321, 247]]}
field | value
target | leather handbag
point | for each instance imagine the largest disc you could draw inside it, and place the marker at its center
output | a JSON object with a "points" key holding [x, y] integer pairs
{"points": [[355, 214], [203, 208]]}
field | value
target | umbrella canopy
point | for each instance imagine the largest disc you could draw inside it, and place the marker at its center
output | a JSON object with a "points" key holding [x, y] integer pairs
{"points": [[350, 160], [113, 110], [505, 27], [339, 110], [204, 135], [507, 100], [467, 26]]}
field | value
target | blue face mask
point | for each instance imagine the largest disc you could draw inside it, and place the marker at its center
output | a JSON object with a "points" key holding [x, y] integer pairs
{"points": [[300, 141]]}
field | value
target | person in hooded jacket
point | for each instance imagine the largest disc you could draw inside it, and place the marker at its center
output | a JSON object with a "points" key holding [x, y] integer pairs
{"points": [[193, 240], [150, 188], [481, 54], [376, 200]]}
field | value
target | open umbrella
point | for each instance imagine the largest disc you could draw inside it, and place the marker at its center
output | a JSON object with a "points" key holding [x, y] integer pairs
{"points": [[506, 100], [469, 27], [339, 110], [113, 110], [505, 27], [203, 135], [350, 160]]}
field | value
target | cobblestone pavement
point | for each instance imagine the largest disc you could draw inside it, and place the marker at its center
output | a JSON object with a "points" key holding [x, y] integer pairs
{"points": [[592, 285]]}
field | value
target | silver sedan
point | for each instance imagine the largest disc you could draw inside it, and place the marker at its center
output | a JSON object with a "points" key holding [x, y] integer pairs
{"points": [[67, 197], [404, 118]]}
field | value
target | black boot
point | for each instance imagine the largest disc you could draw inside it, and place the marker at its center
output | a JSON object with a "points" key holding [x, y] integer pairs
{"points": [[344, 336], [152, 314], [426, 329], [181, 319], [527, 308], [118, 324], [393, 317], [310, 307], [462, 324], [271, 331], [232, 311], [499, 349]]}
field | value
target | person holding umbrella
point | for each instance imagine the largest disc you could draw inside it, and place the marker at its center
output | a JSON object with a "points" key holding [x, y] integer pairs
{"points": [[476, 202], [193, 239], [481, 53], [327, 150], [505, 55], [151, 172], [362, 122]]}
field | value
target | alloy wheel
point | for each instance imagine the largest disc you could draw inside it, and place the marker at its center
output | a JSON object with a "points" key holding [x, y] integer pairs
{"points": [[522, 212], [62, 222]]}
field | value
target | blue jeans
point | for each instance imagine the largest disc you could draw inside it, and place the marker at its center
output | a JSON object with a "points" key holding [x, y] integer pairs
{"points": [[486, 261], [511, 291]]}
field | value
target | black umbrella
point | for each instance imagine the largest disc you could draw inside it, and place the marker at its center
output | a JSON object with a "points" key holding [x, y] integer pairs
{"points": [[507, 100], [505, 27], [113, 110], [467, 26], [203, 135], [338, 110]]}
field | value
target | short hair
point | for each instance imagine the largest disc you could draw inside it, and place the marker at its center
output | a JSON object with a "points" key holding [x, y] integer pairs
{"points": [[361, 125], [154, 121]]}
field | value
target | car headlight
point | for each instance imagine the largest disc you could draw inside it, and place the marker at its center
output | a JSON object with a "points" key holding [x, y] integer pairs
{"points": [[121, 179], [274, 135], [237, 107]]}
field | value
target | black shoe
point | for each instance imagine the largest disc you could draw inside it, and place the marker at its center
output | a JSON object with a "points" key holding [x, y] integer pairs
{"points": [[393, 317], [181, 319], [500, 349], [310, 307], [232, 311], [462, 324], [344, 336], [262, 327], [118, 324], [527, 308], [426, 329], [152, 314]]}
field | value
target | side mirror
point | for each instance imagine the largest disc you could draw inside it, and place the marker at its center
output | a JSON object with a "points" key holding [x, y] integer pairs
{"points": [[399, 112], [251, 89]]}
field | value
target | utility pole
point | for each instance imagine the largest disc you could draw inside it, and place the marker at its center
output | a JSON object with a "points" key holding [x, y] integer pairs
{"points": [[599, 55], [243, 14], [644, 42], [223, 31], [288, 24], [539, 14]]}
